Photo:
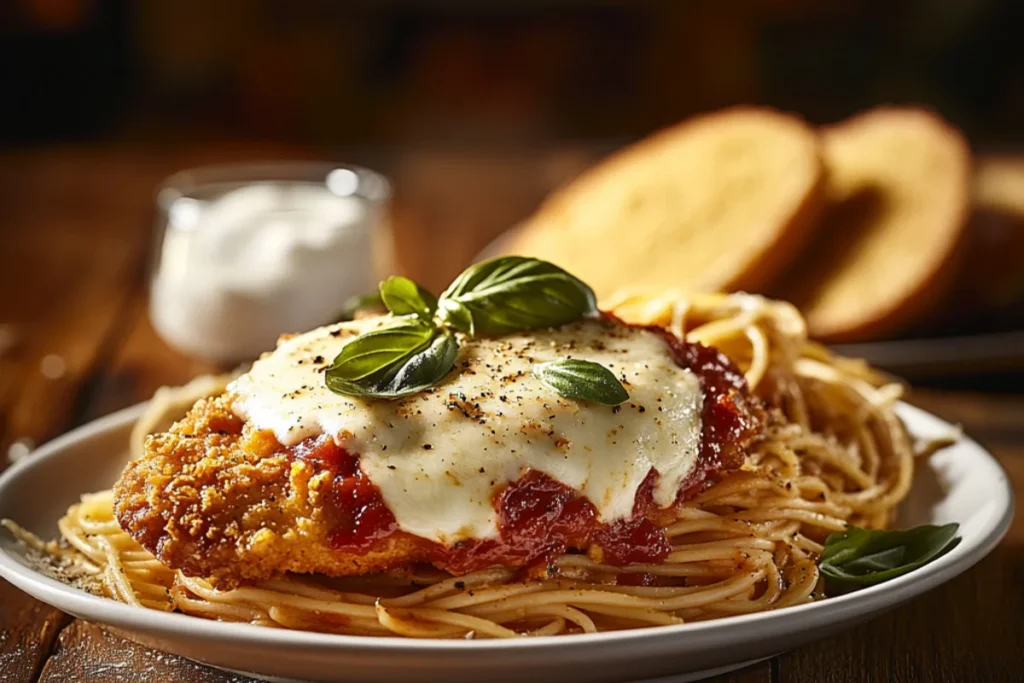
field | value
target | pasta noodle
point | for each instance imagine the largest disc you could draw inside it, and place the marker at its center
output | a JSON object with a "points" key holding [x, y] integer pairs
{"points": [[832, 454]]}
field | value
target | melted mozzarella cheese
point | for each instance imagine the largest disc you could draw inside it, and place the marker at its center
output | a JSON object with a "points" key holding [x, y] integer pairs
{"points": [[439, 457]]}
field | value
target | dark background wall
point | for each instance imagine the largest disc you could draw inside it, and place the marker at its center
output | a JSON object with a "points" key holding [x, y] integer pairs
{"points": [[394, 72]]}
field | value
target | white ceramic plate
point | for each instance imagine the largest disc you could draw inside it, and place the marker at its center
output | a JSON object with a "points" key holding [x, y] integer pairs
{"points": [[962, 484]]}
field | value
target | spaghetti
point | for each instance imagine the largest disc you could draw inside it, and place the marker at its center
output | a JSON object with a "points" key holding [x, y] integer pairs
{"points": [[834, 453]]}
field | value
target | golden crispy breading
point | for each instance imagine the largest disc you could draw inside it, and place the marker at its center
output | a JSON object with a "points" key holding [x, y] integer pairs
{"points": [[217, 499]]}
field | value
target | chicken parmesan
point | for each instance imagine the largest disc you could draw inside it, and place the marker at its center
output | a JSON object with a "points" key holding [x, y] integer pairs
{"points": [[489, 467]]}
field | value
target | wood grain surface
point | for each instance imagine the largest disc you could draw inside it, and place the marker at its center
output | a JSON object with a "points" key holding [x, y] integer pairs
{"points": [[76, 343]]}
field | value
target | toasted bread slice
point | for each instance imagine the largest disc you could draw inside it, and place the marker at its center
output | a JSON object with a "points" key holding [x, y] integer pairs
{"points": [[722, 201], [999, 184], [899, 184], [992, 277]]}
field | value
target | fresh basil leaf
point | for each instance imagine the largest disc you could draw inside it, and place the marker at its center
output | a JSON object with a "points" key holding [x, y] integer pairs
{"points": [[582, 380], [360, 302], [372, 351], [864, 557], [488, 272], [402, 296], [514, 294], [393, 361]]}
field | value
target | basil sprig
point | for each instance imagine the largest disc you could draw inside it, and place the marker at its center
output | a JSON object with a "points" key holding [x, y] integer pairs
{"points": [[864, 557], [583, 380], [402, 296], [393, 361], [513, 294], [502, 295]]}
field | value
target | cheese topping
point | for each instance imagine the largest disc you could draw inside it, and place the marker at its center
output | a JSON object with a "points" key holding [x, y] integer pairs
{"points": [[440, 456]]}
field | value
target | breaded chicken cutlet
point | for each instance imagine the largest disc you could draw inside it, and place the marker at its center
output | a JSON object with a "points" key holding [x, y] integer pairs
{"points": [[218, 500]]}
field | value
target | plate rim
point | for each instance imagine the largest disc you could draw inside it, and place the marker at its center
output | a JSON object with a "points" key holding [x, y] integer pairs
{"points": [[797, 618]]}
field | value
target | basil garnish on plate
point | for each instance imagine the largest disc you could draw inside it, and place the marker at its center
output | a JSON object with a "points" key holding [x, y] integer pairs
{"points": [[514, 294], [402, 296], [393, 361], [583, 380], [502, 295], [864, 557]]}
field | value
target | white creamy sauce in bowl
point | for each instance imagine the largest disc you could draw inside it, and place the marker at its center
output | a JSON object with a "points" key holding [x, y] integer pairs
{"points": [[238, 268]]}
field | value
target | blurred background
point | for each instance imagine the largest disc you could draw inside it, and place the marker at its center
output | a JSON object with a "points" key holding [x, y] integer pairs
{"points": [[506, 72], [473, 110]]}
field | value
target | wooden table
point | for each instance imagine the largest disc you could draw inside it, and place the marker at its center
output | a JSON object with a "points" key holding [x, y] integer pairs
{"points": [[74, 238]]}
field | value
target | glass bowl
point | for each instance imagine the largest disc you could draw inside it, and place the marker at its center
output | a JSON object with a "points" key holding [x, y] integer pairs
{"points": [[245, 253]]}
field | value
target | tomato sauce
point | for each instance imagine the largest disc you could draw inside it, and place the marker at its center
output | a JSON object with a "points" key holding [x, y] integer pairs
{"points": [[730, 415], [363, 516], [540, 518]]}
